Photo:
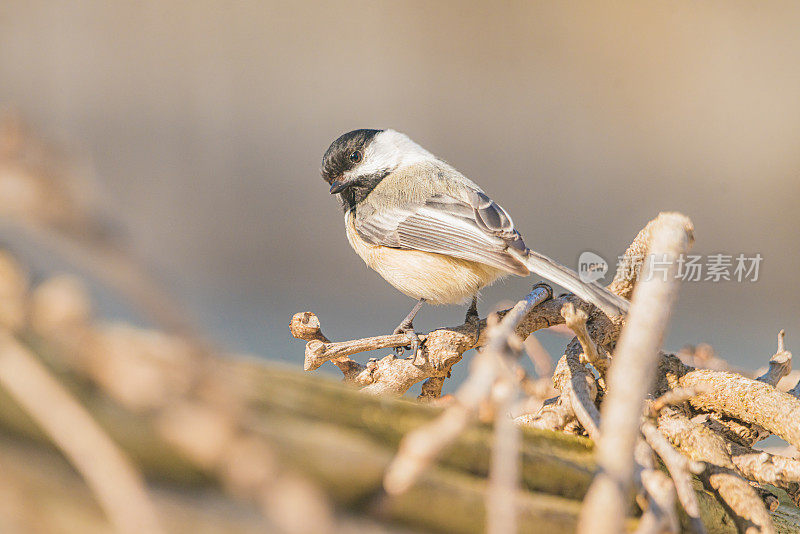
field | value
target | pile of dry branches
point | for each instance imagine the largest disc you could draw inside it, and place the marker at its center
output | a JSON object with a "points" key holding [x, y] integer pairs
{"points": [[643, 408], [125, 405]]}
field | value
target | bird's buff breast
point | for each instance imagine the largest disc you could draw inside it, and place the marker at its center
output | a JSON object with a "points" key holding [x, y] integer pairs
{"points": [[437, 278]]}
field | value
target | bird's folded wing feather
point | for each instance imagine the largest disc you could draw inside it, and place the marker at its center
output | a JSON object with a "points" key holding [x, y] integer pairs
{"points": [[475, 229]]}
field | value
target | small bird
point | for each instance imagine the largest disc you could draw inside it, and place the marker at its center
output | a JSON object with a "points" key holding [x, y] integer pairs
{"points": [[428, 230]]}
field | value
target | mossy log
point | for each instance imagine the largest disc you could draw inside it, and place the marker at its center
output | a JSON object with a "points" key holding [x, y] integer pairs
{"points": [[343, 440]]}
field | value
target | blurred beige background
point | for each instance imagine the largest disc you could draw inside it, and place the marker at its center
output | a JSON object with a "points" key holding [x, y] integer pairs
{"points": [[204, 124]]}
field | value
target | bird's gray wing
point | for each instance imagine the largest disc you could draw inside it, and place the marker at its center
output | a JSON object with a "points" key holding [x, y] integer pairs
{"points": [[475, 229]]}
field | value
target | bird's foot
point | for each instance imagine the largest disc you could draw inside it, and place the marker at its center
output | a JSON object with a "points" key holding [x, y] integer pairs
{"points": [[414, 341]]}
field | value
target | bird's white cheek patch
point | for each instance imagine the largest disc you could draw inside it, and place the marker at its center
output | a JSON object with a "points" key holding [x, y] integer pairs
{"points": [[388, 151]]}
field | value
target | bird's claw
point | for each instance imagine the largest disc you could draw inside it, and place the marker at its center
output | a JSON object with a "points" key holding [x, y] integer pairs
{"points": [[414, 342]]}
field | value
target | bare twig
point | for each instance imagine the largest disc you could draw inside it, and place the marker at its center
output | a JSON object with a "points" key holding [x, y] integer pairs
{"points": [[501, 515], [656, 494], [770, 500], [570, 373], [659, 517], [674, 397], [421, 446], [680, 469], [586, 412], [721, 478], [305, 325], [576, 321], [442, 349], [765, 468], [630, 379], [634, 258], [734, 430], [542, 361], [738, 397], [795, 391], [780, 364], [319, 352]]}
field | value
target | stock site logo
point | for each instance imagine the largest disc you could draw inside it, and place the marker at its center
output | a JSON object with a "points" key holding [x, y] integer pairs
{"points": [[591, 267]]}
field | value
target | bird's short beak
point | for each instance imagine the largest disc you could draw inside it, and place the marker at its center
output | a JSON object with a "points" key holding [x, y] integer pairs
{"points": [[337, 186]]}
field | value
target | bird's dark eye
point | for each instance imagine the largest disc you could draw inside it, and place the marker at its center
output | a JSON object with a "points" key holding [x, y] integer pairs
{"points": [[356, 156]]}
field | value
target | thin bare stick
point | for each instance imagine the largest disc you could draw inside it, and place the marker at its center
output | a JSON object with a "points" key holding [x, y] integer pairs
{"points": [[421, 446], [765, 468], [674, 397], [629, 268], [680, 468], [630, 378], [542, 361], [119, 488], [305, 325], [795, 391], [657, 494], [701, 444], [556, 414], [570, 373], [659, 517], [734, 430], [576, 321], [442, 349], [738, 397], [780, 364], [587, 414], [501, 513]]}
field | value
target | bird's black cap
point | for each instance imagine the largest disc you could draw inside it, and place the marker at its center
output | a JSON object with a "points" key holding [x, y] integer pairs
{"points": [[336, 160]]}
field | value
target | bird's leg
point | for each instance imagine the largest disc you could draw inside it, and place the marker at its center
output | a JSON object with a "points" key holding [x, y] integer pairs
{"points": [[472, 316], [406, 327], [472, 311]]}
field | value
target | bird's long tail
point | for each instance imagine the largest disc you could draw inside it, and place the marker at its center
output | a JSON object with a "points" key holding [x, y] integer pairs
{"points": [[591, 292]]}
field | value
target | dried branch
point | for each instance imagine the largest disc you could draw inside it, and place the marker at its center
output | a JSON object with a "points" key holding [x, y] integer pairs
{"points": [[586, 413], [770, 501], [501, 513], [737, 397], [576, 321], [765, 468], [420, 447], [318, 352], [721, 478], [674, 397], [703, 356], [795, 391], [635, 257], [680, 469], [780, 364], [570, 372], [305, 325], [542, 361], [442, 348], [659, 516], [630, 378]]}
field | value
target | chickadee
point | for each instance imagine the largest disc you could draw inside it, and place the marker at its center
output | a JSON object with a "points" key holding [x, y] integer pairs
{"points": [[428, 230]]}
